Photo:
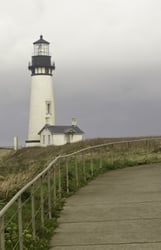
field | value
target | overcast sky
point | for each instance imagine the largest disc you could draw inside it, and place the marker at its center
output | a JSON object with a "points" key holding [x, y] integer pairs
{"points": [[108, 64]]}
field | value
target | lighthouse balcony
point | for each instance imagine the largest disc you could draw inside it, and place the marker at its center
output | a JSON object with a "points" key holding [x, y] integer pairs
{"points": [[41, 70]]}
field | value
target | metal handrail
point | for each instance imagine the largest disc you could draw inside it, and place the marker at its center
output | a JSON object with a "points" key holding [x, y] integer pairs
{"points": [[29, 184], [107, 144]]}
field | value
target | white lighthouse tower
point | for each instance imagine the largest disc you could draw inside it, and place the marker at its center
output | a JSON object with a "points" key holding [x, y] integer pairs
{"points": [[42, 96]]}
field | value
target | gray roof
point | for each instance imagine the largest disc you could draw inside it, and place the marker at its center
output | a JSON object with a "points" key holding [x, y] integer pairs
{"points": [[62, 129], [41, 40]]}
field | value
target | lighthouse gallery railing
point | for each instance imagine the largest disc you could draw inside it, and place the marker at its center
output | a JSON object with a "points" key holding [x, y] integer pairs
{"points": [[64, 175]]}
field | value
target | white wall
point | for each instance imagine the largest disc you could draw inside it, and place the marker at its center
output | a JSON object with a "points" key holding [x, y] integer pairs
{"points": [[41, 92], [75, 138], [57, 139]]}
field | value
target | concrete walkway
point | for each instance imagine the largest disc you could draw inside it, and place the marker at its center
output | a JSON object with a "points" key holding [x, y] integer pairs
{"points": [[120, 210]]}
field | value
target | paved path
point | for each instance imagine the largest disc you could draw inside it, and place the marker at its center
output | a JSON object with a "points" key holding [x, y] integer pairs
{"points": [[120, 210]]}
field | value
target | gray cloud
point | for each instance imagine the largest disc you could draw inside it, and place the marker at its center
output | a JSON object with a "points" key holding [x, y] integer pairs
{"points": [[108, 58]]}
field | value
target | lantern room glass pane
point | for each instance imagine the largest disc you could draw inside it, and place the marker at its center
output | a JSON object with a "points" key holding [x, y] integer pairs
{"points": [[41, 49]]}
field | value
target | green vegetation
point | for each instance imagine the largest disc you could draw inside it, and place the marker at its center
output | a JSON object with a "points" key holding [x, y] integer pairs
{"points": [[18, 167], [68, 176]]}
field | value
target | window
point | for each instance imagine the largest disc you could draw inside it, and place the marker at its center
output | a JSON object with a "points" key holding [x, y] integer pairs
{"points": [[48, 108]]}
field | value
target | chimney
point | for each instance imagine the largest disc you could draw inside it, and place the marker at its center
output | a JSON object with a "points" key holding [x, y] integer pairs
{"points": [[74, 122]]}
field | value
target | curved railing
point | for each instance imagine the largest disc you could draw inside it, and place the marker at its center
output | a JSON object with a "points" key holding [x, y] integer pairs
{"points": [[27, 213]]}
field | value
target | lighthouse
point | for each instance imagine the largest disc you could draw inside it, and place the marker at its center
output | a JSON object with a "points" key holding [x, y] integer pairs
{"points": [[42, 96]]}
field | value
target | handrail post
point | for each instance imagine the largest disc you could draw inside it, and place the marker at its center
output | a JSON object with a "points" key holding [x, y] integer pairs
{"points": [[91, 165], [100, 159], [33, 212], [147, 149], [112, 154], [20, 230], [2, 236], [128, 151], [67, 176], [134, 148], [84, 168], [54, 183], [59, 178], [42, 201], [76, 173], [49, 194]]}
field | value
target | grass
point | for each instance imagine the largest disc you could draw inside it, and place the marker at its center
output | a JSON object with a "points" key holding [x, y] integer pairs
{"points": [[18, 167]]}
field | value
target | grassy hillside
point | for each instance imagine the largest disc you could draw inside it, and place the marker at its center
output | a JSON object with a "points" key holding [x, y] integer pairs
{"points": [[18, 167], [4, 152]]}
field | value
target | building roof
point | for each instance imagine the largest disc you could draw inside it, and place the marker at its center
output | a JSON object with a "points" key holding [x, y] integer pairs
{"points": [[41, 40], [62, 129]]}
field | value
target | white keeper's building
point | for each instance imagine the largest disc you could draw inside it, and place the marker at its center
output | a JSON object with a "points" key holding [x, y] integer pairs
{"points": [[43, 130]]}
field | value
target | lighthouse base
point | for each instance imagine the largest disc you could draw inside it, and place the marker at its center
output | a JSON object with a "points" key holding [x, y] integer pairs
{"points": [[32, 143]]}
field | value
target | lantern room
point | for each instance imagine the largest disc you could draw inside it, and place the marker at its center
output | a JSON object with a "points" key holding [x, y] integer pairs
{"points": [[41, 60], [41, 47]]}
